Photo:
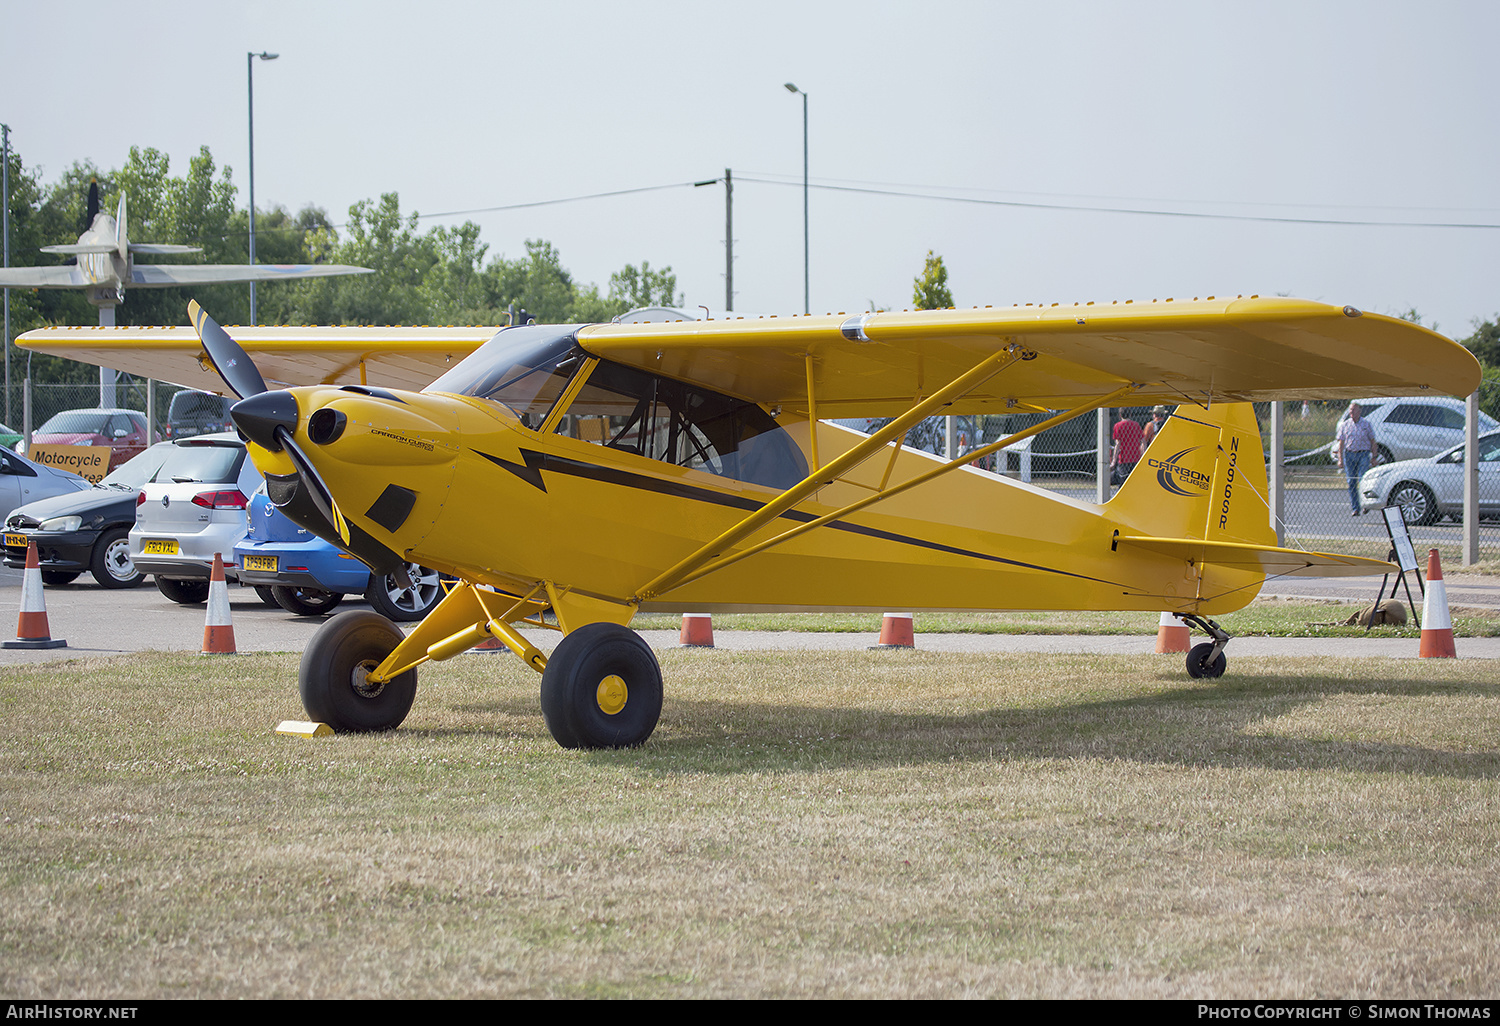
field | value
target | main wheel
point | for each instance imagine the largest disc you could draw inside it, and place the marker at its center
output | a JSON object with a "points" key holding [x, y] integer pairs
{"points": [[601, 688], [333, 678], [390, 599], [57, 578], [1198, 665], [185, 592], [111, 565], [1416, 501], [306, 601]]}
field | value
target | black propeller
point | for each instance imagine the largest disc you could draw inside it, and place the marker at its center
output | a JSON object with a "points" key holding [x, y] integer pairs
{"points": [[225, 354], [269, 419]]}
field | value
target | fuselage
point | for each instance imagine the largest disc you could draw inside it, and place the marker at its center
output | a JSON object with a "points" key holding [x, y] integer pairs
{"points": [[601, 478]]}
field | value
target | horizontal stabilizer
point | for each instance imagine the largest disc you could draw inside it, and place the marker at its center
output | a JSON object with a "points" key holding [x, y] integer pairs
{"points": [[163, 276], [161, 247], [81, 248], [1270, 560], [64, 277]]}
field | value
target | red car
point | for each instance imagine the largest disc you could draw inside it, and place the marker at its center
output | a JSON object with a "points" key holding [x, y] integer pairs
{"points": [[124, 431]]}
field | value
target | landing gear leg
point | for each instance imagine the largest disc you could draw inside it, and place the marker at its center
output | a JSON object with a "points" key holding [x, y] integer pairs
{"points": [[1206, 660]]}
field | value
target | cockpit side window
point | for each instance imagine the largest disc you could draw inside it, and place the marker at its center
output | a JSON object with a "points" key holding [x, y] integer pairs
{"points": [[630, 410]]}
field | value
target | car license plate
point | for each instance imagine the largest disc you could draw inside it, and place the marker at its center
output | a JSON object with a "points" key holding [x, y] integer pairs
{"points": [[18, 540], [266, 563], [160, 546]]}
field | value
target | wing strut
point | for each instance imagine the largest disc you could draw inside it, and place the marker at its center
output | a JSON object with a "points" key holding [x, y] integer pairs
{"points": [[818, 478], [967, 458]]}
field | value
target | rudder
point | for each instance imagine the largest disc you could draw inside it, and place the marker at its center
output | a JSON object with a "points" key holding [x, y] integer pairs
{"points": [[1203, 476]]}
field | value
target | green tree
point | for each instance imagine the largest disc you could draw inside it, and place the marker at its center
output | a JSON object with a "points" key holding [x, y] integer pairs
{"points": [[930, 291], [1485, 341], [634, 287]]}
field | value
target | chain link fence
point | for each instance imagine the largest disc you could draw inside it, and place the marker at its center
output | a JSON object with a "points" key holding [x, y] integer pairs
{"points": [[150, 398]]}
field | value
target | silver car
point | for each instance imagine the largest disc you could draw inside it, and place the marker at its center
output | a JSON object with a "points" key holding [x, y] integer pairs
{"points": [[22, 481], [1414, 427], [1427, 490], [193, 507]]}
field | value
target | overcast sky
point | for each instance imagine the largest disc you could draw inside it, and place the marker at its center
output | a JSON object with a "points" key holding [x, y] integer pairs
{"points": [[1359, 111]]}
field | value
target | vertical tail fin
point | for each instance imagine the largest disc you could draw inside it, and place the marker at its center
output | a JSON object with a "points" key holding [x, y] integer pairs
{"points": [[1203, 476]]}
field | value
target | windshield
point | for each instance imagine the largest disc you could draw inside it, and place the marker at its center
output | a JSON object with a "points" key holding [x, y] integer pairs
{"points": [[75, 422], [137, 471], [214, 463], [523, 368]]}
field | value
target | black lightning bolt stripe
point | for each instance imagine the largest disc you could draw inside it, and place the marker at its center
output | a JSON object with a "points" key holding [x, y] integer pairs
{"points": [[536, 462]]}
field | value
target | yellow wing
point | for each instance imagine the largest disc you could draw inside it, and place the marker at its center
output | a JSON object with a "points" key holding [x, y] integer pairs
{"points": [[408, 358], [1233, 350], [875, 364]]}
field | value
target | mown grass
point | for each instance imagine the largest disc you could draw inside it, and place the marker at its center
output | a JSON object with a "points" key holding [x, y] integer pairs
{"points": [[823, 824]]}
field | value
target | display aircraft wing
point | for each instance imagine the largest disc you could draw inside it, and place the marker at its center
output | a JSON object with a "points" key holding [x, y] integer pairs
{"points": [[65, 277], [874, 365], [162, 276]]}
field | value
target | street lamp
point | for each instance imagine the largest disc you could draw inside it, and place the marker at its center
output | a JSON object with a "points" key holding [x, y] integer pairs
{"points": [[806, 274], [250, 59]]}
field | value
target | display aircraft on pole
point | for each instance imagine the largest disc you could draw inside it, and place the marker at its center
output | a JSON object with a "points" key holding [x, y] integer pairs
{"points": [[570, 476], [104, 267]]}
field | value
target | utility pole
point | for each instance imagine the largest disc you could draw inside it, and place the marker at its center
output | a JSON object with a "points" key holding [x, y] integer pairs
{"points": [[5, 191], [728, 241], [728, 181], [250, 59]]}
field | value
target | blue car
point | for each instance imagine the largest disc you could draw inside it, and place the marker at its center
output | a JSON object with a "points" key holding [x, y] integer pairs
{"points": [[309, 576]]}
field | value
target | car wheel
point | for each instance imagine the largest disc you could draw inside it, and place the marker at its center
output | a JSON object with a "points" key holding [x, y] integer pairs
{"points": [[266, 594], [306, 601], [111, 565], [57, 578], [1383, 456], [185, 592], [1416, 501], [395, 602]]}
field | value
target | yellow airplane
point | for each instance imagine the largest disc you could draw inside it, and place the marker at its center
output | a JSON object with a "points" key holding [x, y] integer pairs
{"points": [[570, 476]]}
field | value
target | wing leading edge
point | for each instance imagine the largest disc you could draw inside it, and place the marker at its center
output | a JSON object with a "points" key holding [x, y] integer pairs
{"points": [[875, 365]]}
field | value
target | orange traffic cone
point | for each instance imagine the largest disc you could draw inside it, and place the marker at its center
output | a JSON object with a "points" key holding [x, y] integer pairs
{"points": [[218, 632], [1172, 635], [31, 627], [490, 644], [1437, 627], [697, 631], [895, 631]]}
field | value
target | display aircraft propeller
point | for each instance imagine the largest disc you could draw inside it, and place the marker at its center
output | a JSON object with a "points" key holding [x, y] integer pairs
{"points": [[570, 476]]}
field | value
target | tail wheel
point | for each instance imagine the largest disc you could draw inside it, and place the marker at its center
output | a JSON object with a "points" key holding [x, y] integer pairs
{"points": [[601, 688], [1199, 666], [334, 676]]}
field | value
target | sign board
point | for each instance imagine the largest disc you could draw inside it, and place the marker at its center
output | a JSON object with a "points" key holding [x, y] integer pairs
{"points": [[90, 462], [1395, 523]]}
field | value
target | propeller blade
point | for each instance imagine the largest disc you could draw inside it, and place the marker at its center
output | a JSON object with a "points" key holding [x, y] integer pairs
{"points": [[232, 363], [321, 497]]}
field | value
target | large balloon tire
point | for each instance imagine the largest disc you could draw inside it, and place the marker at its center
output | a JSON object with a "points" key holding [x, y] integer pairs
{"points": [[332, 678], [601, 689], [111, 564]]}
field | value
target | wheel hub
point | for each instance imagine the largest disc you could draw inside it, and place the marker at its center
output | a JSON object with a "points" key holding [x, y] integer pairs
{"points": [[612, 694], [359, 680]]}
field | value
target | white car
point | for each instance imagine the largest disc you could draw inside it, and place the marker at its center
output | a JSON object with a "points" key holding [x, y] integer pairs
{"points": [[1414, 427], [1427, 490], [193, 507]]}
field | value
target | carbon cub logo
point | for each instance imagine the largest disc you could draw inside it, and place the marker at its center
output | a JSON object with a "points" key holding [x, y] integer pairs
{"points": [[1181, 480]]}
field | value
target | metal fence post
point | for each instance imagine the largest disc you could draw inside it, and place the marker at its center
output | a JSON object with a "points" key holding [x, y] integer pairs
{"points": [[1471, 479], [1101, 458]]}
